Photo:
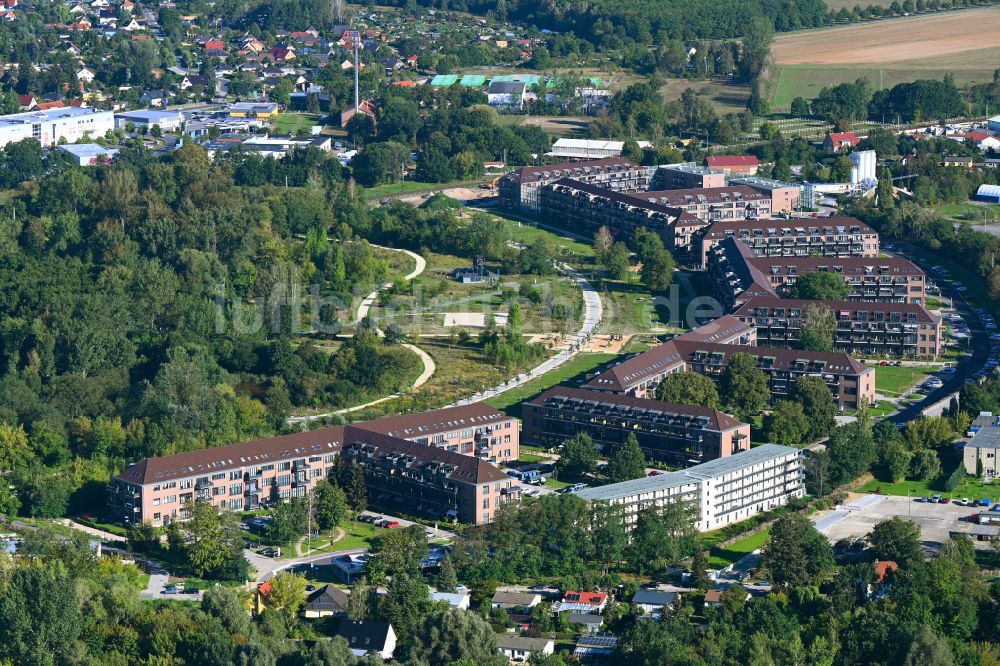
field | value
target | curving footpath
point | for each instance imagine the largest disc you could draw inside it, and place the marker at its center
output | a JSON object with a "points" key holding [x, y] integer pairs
{"points": [[594, 310], [429, 366]]}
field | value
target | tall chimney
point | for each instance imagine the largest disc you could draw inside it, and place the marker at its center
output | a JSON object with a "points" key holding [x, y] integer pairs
{"points": [[357, 65]]}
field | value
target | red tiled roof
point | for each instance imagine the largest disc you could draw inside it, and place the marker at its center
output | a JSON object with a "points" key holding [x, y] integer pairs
{"points": [[882, 569], [594, 598], [732, 161], [839, 138]]}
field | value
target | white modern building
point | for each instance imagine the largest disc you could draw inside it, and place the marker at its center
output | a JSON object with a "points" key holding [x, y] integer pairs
{"points": [[723, 491], [49, 127], [590, 149], [85, 154], [169, 121]]}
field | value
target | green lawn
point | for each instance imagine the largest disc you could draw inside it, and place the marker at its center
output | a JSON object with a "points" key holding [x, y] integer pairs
{"points": [[882, 409], [292, 122], [893, 380], [359, 535], [724, 556], [408, 186], [554, 483], [971, 487], [527, 459], [574, 369], [565, 247]]}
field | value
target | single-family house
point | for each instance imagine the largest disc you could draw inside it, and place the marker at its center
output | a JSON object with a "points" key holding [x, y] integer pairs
{"points": [[582, 602], [215, 47], [518, 649], [453, 599], [507, 600], [840, 140], [369, 637], [365, 108], [85, 74], [652, 602], [713, 598], [156, 98], [26, 103], [133, 24], [879, 585], [327, 601], [590, 622]]}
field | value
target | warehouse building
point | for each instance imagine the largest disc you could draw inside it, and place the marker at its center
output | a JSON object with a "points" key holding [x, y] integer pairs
{"points": [[863, 329], [722, 491], [678, 435]]}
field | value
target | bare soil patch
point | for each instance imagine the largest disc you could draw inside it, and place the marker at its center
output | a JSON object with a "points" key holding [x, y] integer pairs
{"points": [[918, 38]]}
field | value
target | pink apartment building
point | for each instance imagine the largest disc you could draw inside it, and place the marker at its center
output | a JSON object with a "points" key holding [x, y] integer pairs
{"points": [[249, 475]]}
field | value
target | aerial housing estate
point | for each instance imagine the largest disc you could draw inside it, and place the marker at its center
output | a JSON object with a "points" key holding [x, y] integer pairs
{"points": [[438, 462]]}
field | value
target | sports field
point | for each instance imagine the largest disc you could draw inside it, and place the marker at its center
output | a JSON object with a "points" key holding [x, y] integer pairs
{"points": [[887, 52]]}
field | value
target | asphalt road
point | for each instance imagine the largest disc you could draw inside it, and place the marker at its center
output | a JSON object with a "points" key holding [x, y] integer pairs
{"points": [[979, 346]]}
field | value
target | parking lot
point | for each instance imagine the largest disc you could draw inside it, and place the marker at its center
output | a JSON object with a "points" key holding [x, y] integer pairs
{"points": [[936, 521]]}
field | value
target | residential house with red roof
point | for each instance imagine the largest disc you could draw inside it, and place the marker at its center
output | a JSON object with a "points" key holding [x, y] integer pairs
{"points": [[840, 140]]}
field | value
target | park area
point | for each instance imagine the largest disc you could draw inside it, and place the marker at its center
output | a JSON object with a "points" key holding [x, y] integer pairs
{"points": [[887, 52]]}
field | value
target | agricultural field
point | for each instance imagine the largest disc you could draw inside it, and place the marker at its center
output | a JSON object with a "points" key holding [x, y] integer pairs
{"points": [[887, 53], [724, 96]]}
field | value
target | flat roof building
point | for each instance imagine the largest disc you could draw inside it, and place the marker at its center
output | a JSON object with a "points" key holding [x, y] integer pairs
{"points": [[49, 127], [589, 149], [85, 154], [168, 121], [722, 491], [678, 435], [686, 176]]}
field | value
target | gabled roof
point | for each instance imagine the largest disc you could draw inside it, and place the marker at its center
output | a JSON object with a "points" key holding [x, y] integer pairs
{"points": [[883, 568], [712, 419], [779, 227], [592, 598], [553, 172], [328, 599], [728, 161], [837, 139], [422, 424], [749, 308], [654, 597], [368, 635]]}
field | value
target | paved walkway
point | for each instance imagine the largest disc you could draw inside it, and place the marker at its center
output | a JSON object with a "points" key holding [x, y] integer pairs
{"points": [[429, 366], [100, 534], [594, 310]]}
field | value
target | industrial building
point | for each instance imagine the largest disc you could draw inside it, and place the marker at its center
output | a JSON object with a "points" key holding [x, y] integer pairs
{"points": [[826, 237], [250, 475], [678, 435], [863, 329], [520, 188], [69, 124], [167, 121], [721, 492]]}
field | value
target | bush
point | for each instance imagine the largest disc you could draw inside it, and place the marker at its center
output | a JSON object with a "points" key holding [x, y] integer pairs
{"points": [[954, 479]]}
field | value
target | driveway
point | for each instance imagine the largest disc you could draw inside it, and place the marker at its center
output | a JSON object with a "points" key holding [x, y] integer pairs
{"points": [[979, 346]]}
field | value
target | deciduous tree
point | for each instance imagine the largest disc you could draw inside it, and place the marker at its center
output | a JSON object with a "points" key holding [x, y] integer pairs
{"points": [[688, 388]]}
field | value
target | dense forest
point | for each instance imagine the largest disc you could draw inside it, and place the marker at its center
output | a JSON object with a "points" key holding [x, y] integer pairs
{"points": [[167, 303]]}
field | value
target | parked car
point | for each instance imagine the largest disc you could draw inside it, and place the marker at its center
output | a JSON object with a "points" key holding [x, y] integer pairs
{"points": [[945, 500], [390, 524], [266, 552], [935, 499], [962, 502], [170, 590]]}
